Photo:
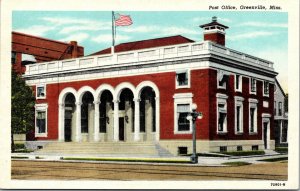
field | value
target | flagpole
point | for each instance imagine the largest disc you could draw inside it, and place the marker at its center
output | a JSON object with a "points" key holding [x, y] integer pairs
{"points": [[113, 32]]}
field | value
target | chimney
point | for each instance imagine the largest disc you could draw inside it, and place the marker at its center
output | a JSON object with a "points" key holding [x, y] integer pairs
{"points": [[214, 31], [74, 49]]}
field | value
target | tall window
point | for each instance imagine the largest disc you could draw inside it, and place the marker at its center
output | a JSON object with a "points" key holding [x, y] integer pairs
{"points": [[238, 114], [182, 78], [41, 121], [280, 108], [275, 108], [13, 57], [266, 88], [253, 85], [182, 107], [182, 113], [284, 130], [221, 113], [222, 120], [253, 115], [238, 82]]}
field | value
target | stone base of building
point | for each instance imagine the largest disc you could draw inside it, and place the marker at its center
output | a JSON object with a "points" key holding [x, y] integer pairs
{"points": [[181, 147], [177, 146]]}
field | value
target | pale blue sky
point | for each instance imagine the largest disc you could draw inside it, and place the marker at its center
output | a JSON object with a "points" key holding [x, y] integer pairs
{"points": [[262, 34]]}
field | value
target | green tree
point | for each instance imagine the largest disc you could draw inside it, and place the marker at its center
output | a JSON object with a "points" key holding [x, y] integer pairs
{"points": [[22, 107]]}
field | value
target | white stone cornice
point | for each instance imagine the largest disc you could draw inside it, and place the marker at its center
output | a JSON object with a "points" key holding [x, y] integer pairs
{"points": [[223, 96]]}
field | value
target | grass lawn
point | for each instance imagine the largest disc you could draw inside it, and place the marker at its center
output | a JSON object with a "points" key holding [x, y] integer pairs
{"points": [[275, 159], [237, 163], [130, 160]]}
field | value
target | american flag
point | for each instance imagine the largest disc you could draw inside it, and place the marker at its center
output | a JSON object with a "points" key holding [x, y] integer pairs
{"points": [[123, 20]]}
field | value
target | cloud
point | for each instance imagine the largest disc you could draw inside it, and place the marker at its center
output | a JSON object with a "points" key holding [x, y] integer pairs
{"points": [[37, 30], [266, 25], [254, 34], [140, 29], [158, 30], [79, 37], [108, 38], [70, 25], [202, 20]]}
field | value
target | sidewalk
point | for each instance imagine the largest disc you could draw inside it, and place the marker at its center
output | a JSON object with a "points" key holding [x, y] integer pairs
{"points": [[202, 161]]}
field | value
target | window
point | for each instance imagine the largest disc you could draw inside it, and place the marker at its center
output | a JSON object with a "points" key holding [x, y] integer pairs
{"points": [[253, 115], [238, 83], [266, 88], [284, 131], [275, 109], [222, 79], [13, 57], [253, 86], [182, 113], [41, 91], [221, 113], [182, 107], [254, 147], [182, 79], [280, 108], [182, 150], [238, 114], [223, 149], [41, 120], [222, 117], [239, 148]]}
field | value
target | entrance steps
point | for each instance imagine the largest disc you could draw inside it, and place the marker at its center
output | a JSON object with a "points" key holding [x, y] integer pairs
{"points": [[148, 149]]}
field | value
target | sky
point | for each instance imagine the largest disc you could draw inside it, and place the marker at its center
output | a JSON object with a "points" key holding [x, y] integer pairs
{"points": [[261, 34]]}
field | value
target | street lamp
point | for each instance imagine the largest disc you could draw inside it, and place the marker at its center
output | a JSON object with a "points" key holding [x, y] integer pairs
{"points": [[193, 115]]}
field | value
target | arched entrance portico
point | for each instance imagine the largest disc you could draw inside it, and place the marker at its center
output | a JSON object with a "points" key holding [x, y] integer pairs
{"points": [[126, 113]]}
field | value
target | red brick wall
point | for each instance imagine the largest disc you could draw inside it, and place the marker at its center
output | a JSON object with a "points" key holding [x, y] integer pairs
{"points": [[215, 37], [204, 89]]}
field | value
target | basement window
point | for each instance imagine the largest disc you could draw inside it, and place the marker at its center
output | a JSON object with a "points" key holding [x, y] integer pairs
{"points": [[239, 148], [182, 150], [223, 149], [254, 147]]}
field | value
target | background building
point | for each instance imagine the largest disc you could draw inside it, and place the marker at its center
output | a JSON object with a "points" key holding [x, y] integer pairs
{"points": [[28, 49], [280, 116], [143, 95]]}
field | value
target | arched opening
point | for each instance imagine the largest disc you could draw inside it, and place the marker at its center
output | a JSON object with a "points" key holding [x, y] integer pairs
{"points": [[69, 120], [147, 113], [87, 116], [126, 115], [106, 115]]}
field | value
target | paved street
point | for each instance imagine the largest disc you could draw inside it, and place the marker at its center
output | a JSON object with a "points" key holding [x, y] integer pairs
{"points": [[45, 170]]}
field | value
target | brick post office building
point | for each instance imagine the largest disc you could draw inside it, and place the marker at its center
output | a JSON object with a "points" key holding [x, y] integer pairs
{"points": [[143, 93]]}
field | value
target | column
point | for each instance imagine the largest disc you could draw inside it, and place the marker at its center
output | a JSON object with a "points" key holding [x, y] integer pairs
{"points": [[96, 121], [157, 118], [116, 120], [61, 122], [78, 122], [136, 119]]}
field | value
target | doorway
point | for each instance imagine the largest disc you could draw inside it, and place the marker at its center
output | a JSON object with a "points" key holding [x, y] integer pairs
{"points": [[68, 125], [266, 135], [121, 128]]}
